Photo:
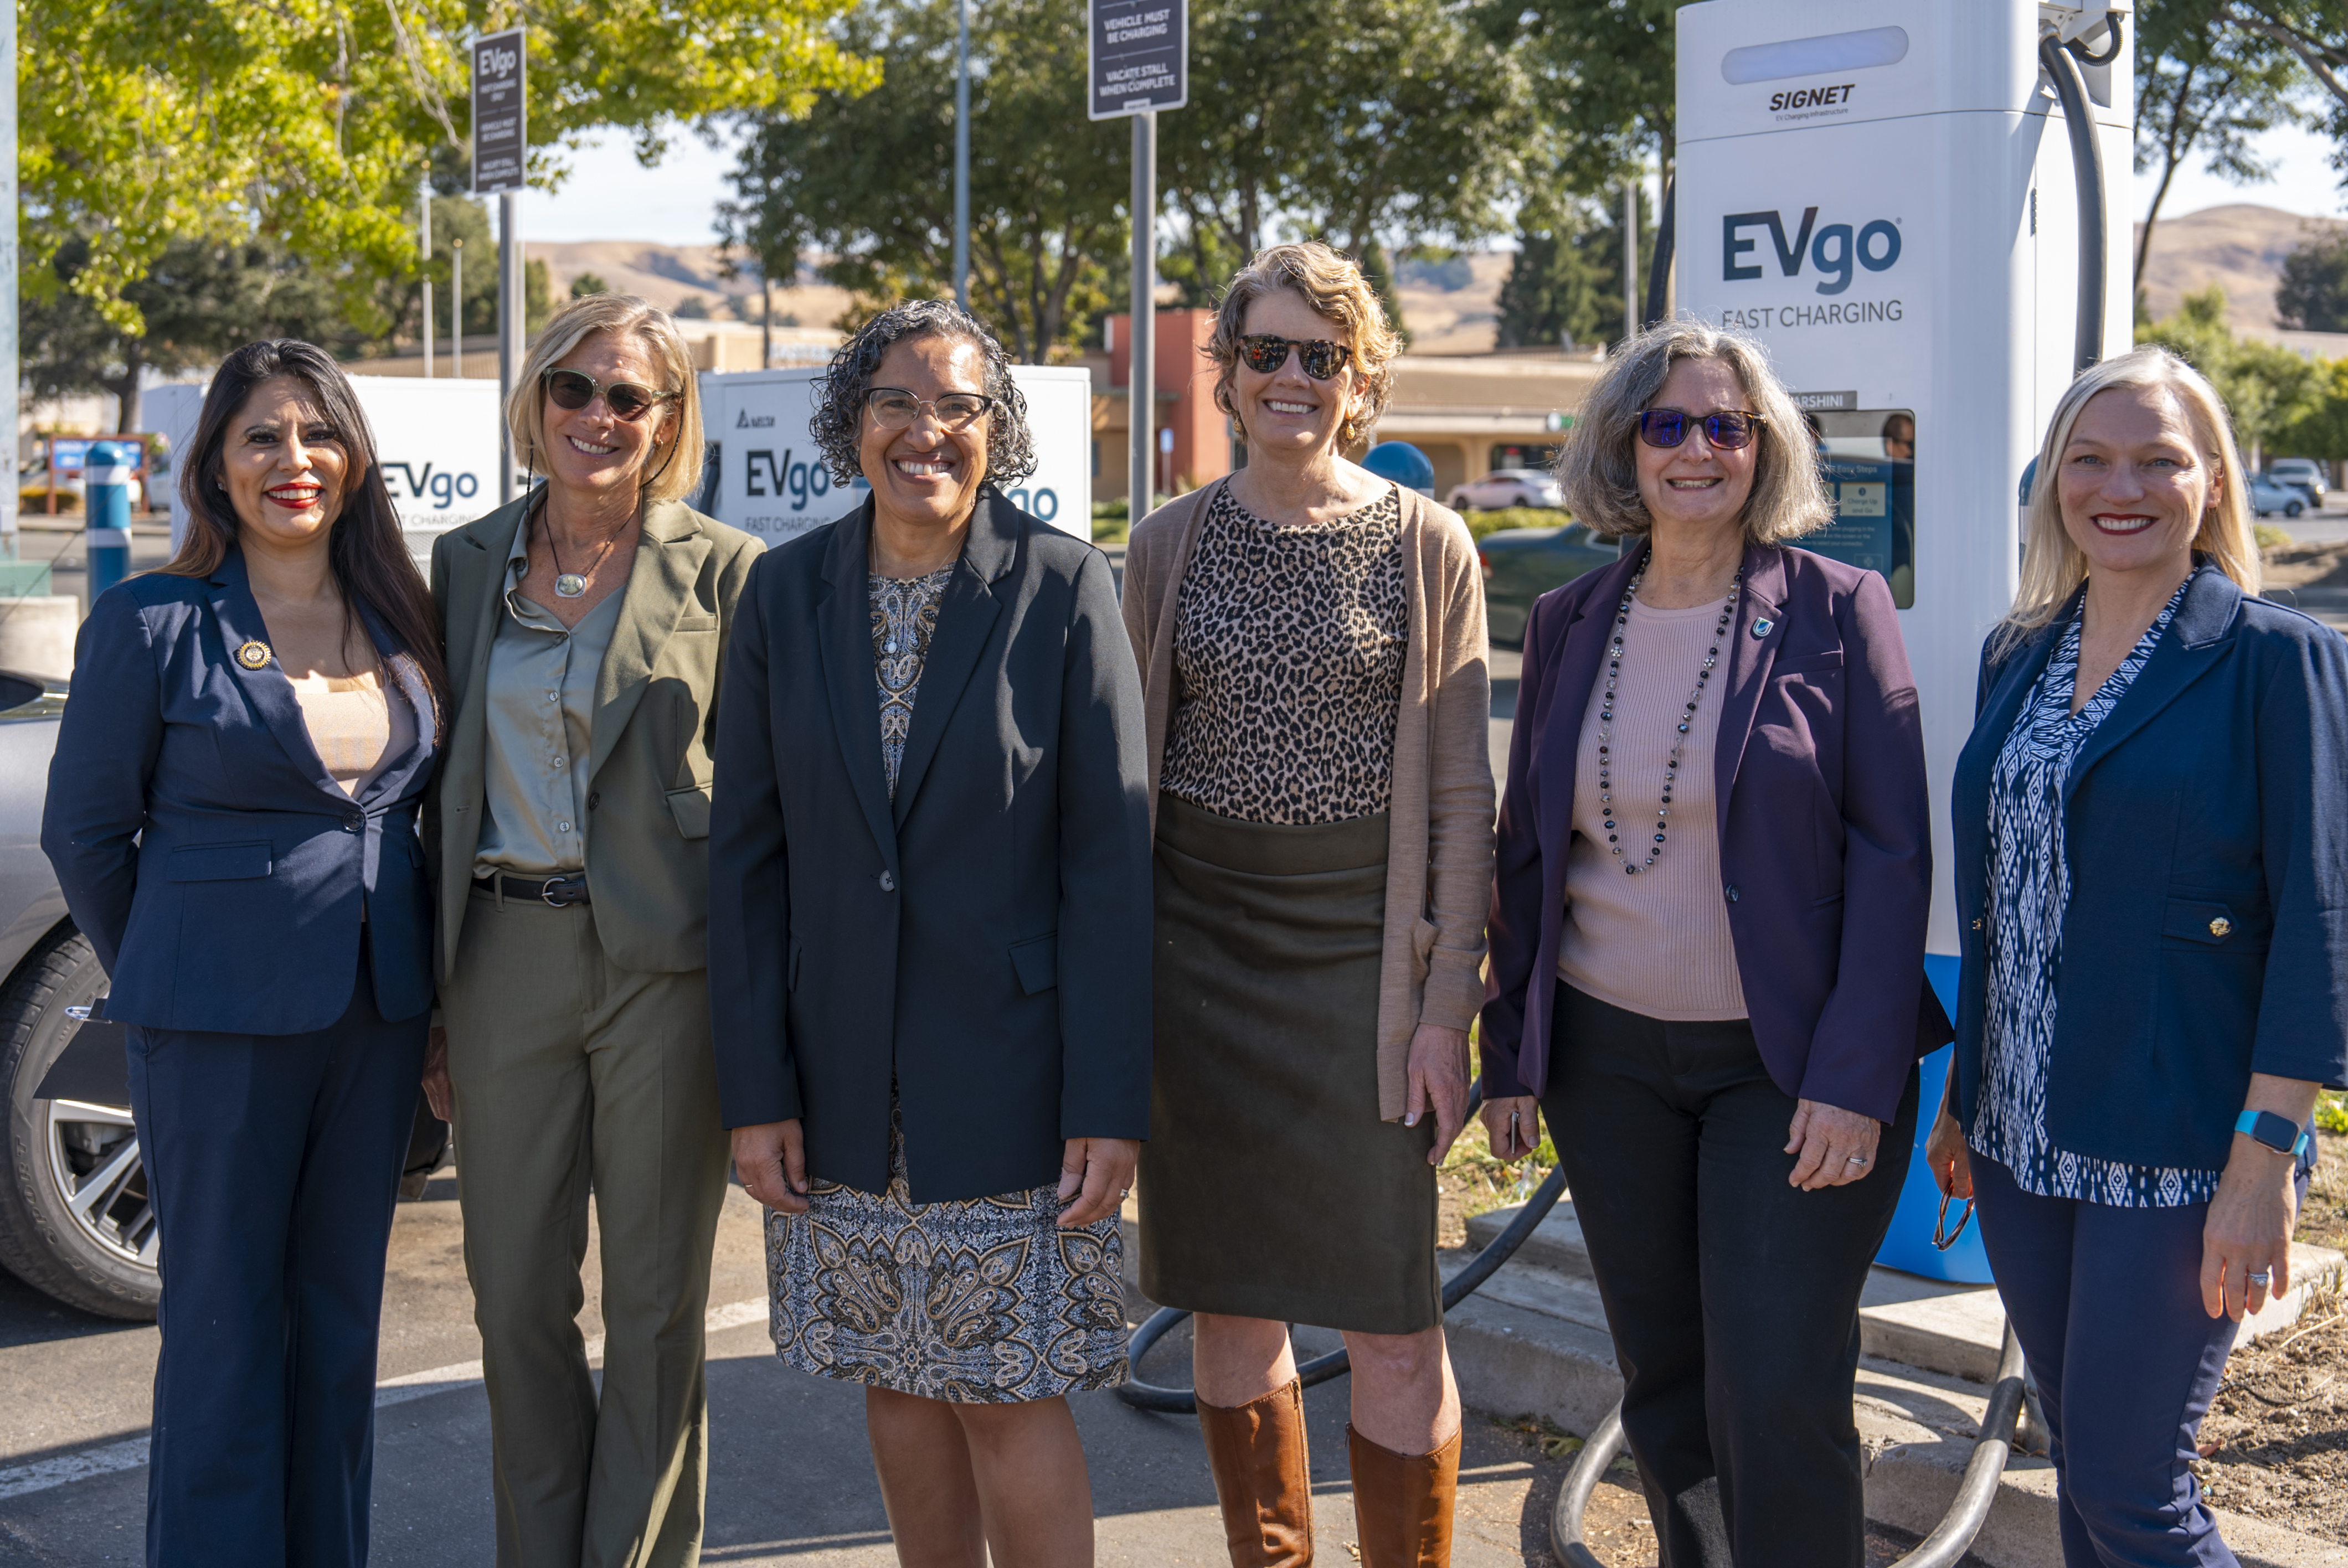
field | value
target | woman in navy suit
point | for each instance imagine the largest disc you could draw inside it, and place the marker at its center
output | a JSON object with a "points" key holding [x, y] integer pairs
{"points": [[2151, 831], [231, 812]]}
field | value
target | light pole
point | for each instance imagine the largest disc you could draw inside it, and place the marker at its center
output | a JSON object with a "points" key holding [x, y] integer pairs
{"points": [[457, 308], [961, 156], [424, 204], [1141, 380]]}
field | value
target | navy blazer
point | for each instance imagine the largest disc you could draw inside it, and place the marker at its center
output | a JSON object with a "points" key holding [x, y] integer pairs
{"points": [[217, 869], [2206, 827], [982, 942], [1826, 848]]}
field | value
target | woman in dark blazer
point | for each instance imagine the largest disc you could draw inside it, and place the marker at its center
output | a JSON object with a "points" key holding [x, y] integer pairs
{"points": [[929, 946], [2151, 833], [232, 814], [1708, 942]]}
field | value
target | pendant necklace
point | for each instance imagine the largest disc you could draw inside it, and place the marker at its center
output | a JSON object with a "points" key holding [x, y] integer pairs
{"points": [[1606, 720], [570, 584]]}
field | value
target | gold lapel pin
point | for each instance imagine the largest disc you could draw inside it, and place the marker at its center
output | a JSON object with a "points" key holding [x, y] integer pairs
{"points": [[254, 655]]}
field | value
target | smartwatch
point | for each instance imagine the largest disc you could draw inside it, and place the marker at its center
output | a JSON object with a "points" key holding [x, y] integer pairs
{"points": [[2280, 1133]]}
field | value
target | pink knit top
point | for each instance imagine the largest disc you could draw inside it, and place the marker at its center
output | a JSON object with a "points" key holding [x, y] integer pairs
{"points": [[1658, 942]]}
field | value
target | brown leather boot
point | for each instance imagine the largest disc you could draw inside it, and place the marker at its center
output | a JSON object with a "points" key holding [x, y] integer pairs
{"points": [[1257, 1453], [1403, 1502]]}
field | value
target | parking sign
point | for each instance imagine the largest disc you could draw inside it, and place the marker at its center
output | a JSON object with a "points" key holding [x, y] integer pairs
{"points": [[500, 147], [1139, 52]]}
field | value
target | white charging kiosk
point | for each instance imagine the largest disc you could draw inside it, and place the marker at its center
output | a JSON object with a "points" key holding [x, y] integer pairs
{"points": [[1887, 195]]}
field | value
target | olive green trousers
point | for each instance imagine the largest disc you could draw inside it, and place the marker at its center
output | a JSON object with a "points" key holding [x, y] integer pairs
{"points": [[573, 1075]]}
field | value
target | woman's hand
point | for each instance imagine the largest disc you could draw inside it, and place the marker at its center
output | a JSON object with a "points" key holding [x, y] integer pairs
{"points": [[771, 1161], [1951, 1163], [1438, 1074], [1837, 1146], [436, 1075], [2249, 1227], [1097, 1173], [1512, 1125]]}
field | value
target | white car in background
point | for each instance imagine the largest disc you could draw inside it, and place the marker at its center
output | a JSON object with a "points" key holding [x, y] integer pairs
{"points": [[2303, 474], [1508, 487]]}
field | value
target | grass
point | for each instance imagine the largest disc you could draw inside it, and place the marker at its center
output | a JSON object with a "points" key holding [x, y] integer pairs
{"points": [[1482, 523], [2270, 537]]}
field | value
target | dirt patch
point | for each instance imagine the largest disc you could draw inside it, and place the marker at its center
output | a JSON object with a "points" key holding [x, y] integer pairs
{"points": [[2275, 1442], [2307, 566]]}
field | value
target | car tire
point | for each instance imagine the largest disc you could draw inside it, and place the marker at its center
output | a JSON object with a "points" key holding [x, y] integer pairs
{"points": [[101, 1259], [2292, 510]]}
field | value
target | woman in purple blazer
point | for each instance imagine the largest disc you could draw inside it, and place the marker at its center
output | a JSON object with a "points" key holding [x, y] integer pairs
{"points": [[1708, 942]]}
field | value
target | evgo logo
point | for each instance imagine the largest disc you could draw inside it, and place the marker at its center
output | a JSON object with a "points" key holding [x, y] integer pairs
{"points": [[1834, 249]]}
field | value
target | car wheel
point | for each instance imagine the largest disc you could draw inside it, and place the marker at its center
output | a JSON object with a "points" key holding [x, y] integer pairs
{"points": [[75, 1217], [2293, 509]]}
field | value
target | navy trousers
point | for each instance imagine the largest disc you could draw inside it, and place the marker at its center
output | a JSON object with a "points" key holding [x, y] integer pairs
{"points": [[2107, 1305], [273, 1162]]}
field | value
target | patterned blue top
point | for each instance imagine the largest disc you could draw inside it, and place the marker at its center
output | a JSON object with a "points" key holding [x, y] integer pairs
{"points": [[2030, 883]]}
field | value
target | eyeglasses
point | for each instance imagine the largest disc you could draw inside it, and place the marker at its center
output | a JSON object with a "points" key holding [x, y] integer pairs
{"points": [[1942, 1236], [1266, 353], [575, 389], [1725, 428], [894, 408]]}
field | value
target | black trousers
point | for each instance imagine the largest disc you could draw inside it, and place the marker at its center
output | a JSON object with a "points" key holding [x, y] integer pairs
{"points": [[1732, 1296]]}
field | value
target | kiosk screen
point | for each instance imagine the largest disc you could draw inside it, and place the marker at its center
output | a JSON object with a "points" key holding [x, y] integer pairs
{"points": [[1868, 458]]}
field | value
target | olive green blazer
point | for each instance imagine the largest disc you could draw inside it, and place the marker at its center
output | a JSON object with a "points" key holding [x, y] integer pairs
{"points": [[656, 723]]}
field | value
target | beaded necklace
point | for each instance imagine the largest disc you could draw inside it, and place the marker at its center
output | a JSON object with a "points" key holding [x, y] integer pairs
{"points": [[1606, 718]]}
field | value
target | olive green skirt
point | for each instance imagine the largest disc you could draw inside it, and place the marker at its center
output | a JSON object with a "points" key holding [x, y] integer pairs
{"points": [[1269, 1187]]}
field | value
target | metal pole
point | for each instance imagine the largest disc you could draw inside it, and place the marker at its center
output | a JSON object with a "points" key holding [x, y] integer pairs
{"points": [[8, 276], [424, 204], [961, 156], [510, 325], [457, 308], [1630, 258], [106, 533], [1141, 381]]}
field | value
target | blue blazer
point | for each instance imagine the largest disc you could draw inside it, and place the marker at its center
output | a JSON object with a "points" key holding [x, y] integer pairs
{"points": [[202, 848], [2206, 826]]}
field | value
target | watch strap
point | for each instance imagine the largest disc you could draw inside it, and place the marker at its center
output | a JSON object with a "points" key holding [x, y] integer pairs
{"points": [[2281, 1134]]}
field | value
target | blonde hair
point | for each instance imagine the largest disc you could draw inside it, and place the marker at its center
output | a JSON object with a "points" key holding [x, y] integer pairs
{"points": [[2052, 567], [1334, 287], [1599, 468], [678, 474]]}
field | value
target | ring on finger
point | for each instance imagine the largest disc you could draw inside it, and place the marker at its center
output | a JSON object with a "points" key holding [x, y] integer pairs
{"points": [[2261, 1278]]}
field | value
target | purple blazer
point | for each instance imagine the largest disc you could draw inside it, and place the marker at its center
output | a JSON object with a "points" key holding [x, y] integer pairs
{"points": [[1826, 845]]}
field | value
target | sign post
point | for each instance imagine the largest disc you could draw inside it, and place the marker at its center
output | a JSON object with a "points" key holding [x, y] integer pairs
{"points": [[500, 152], [1138, 58]]}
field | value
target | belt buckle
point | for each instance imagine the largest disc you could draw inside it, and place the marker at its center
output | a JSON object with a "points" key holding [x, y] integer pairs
{"points": [[561, 892]]}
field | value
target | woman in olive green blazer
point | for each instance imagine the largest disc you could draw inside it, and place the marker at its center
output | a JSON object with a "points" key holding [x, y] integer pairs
{"points": [[586, 627]]}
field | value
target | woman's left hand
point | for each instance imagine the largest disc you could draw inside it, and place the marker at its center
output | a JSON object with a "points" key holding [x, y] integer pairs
{"points": [[1438, 1075], [2247, 1230], [1097, 1173], [1837, 1146]]}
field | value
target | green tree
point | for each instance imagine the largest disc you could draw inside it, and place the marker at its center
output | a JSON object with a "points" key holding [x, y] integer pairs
{"points": [[1566, 282], [2313, 293], [2267, 387], [585, 283], [1605, 81], [2320, 429], [2204, 89], [197, 301], [1386, 121], [308, 122], [870, 178]]}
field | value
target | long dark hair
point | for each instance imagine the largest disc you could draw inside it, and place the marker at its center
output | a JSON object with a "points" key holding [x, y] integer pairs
{"points": [[365, 550]]}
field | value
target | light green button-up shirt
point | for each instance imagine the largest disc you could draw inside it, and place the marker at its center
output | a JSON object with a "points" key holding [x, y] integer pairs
{"points": [[542, 704]]}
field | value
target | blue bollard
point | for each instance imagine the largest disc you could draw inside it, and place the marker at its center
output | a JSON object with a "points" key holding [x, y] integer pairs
{"points": [[106, 541]]}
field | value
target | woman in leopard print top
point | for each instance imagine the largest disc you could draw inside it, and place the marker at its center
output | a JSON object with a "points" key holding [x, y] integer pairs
{"points": [[1318, 702]]}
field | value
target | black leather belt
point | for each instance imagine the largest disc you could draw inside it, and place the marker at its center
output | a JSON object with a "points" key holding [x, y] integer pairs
{"points": [[559, 892]]}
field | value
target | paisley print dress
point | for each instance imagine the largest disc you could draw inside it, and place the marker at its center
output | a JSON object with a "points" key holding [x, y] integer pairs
{"points": [[983, 1301], [2030, 889]]}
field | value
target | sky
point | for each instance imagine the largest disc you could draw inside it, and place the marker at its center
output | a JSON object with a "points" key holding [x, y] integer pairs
{"points": [[610, 197]]}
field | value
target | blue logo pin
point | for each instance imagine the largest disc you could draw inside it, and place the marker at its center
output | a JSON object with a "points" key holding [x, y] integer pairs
{"points": [[1763, 626]]}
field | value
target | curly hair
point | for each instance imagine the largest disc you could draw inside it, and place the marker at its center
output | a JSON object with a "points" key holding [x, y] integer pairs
{"points": [[1333, 286], [837, 424]]}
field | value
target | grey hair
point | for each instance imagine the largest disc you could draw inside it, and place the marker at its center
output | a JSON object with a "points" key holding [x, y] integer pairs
{"points": [[1598, 469], [838, 424]]}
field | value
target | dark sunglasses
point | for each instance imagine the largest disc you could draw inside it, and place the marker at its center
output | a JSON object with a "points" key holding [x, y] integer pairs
{"points": [[575, 389], [1265, 353], [1726, 428]]}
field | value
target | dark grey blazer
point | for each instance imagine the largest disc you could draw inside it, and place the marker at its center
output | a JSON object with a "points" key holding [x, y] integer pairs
{"points": [[986, 942]]}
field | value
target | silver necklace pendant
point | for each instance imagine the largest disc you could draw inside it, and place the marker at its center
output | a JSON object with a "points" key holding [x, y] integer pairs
{"points": [[570, 585]]}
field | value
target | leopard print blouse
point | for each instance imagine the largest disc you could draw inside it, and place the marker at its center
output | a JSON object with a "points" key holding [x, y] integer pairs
{"points": [[1289, 645]]}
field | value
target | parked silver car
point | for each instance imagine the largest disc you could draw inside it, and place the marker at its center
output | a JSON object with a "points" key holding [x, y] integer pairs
{"points": [[1507, 488], [76, 1219]]}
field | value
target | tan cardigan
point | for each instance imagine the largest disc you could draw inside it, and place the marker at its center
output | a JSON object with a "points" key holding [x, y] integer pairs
{"points": [[1439, 855]]}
